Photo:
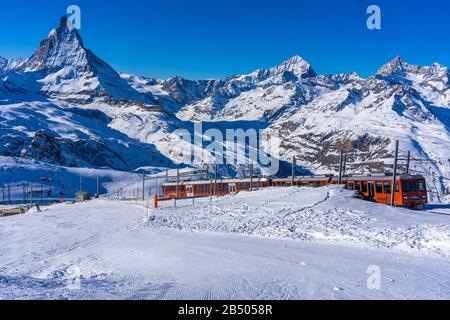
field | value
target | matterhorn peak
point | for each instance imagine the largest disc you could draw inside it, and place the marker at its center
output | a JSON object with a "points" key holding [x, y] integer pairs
{"points": [[63, 21], [62, 47], [71, 71]]}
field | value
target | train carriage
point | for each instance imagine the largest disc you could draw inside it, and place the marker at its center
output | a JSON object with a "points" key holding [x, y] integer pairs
{"points": [[205, 188], [410, 190]]}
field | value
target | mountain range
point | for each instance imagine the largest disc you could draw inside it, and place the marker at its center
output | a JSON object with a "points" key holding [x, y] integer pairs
{"points": [[66, 106]]}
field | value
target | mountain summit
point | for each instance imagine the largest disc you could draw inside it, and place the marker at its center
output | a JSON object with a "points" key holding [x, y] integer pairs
{"points": [[295, 65], [66, 70], [63, 47]]}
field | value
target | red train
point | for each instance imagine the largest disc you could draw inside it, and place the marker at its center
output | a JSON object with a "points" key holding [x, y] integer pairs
{"points": [[410, 190], [205, 188]]}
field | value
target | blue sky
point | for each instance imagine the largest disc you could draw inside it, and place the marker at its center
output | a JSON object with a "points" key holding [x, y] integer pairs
{"points": [[215, 38]]}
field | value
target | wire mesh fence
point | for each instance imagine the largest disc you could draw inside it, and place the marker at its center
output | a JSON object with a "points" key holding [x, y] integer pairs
{"points": [[28, 193]]}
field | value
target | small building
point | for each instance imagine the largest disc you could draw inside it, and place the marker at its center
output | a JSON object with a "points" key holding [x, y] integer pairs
{"points": [[82, 196]]}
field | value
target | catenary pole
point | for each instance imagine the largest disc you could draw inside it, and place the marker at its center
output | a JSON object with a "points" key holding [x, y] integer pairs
{"points": [[394, 178]]}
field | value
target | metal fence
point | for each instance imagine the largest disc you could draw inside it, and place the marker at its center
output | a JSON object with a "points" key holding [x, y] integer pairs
{"points": [[29, 193]]}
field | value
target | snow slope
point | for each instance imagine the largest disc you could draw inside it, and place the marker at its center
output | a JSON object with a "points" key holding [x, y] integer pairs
{"points": [[63, 181], [120, 254], [73, 136], [328, 214]]}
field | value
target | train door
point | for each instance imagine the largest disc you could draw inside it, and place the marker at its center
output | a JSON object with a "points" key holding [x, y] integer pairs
{"points": [[233, 189], [190, 191], [371, 190]]}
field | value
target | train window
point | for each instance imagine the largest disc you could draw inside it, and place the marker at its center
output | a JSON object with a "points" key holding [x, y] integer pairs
{"points": [[422, 186], [244, 186], [410, 186], [358, 186], [379, 187], [387, 187], [364, 187]]}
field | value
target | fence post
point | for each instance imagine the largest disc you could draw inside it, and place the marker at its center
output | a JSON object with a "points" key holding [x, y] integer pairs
{"points": [[9, 194], [143, 187], [98, 187], [155, 201], [394, 183]]}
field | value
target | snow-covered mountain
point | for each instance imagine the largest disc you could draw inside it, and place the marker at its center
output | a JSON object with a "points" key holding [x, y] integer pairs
{"points": [[364, 118], [66, 106], [63, 69]]}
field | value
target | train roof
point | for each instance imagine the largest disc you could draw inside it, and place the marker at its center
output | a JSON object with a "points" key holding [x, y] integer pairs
{"points": [[380, 177], [197, 182], [305, 178]]}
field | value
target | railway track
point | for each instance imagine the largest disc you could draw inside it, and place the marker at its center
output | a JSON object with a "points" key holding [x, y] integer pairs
{"points": [[440, 213]]}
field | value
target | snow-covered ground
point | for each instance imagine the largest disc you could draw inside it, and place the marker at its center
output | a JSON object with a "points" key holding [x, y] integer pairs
{"points": [[330, 215], [287, 243]]}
